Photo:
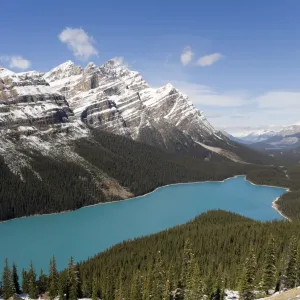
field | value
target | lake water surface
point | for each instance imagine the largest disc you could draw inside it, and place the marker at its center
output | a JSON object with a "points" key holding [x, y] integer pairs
{"points": [[87, 231]]}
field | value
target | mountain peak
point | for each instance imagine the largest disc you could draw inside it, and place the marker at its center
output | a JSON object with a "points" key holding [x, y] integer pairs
{"points": [[63, 70], [115, 68], [90, 65], [5, 72]]}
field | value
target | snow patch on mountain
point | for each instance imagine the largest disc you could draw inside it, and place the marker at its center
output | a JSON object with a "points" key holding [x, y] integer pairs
{"points": [[114, 98], [273, 131]]}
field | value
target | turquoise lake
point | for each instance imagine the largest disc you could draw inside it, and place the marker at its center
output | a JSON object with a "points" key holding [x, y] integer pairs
{"points": [[87, 231]]}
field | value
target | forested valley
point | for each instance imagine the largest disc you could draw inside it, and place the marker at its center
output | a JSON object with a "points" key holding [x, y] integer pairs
{"points": [[139, 168], [216, 251]]}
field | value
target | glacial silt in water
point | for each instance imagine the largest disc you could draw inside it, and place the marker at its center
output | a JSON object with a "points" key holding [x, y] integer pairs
{"points": [[85, 232]]}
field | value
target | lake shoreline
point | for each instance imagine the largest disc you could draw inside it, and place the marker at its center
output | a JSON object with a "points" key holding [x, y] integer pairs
{"points": [[274, 205]]}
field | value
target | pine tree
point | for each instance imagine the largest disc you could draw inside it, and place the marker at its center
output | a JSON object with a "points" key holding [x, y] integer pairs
{"points": [[197, 283], [119, 291], [281, 280], [136, 287], [247, 283], [95, 288], [194, 289], [186, 261], [146, 284], [62, 285], [73, 281], [269, 269], [8, 288], [167, 290], [291, 271], [188, 279], [16, 279], [25, 282], [158, 278], [298, 265], [32, 284], [53, 279], [42, 283]]}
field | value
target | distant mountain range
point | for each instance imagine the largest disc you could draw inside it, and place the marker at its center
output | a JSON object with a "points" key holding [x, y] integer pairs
{"points": [[284, 137]]}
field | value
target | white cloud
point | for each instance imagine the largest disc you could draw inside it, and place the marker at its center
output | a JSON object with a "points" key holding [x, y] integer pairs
{"points": [[208, 60], [205, 95], [19, 62], [186, 55], [238, 112], [279, 99], [16, 62], [119, 60], [79, 42]]}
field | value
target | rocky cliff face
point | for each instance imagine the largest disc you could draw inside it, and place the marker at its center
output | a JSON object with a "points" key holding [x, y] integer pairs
{"points": [[57, 153], [45, 112], [113, 98], [27, 99]]}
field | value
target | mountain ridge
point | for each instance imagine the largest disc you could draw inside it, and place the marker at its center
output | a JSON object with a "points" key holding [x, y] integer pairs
{"points": [[267, 135], [54, 125], [109, 97]]}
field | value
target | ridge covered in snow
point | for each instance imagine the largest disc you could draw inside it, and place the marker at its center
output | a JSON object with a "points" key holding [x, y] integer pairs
{"points": [[264, 134], [117, 99], [45, 111]]}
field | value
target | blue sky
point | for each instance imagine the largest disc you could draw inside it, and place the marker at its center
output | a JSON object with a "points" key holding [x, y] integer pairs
{"points": [[238, 60]]}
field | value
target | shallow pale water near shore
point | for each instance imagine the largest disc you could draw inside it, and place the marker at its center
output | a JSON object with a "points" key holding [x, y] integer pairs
{"points": [[85, 232]]}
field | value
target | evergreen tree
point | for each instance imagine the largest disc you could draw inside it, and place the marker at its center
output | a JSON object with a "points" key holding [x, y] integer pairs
{"points": [[188, 279], [119, 291], [42, 283], [136, 287], [158, 278], [73, 281], [53, 279], [197, 285], [209, 285], [281, 280], [32, 284], [146, 285], [291, 271], [8, 288], [186, 261], [167, 290], [269, 268], [25, 282], [62, 285], [16, 279], [1, 288], [247, 283], [298, 265], [95, 288]]}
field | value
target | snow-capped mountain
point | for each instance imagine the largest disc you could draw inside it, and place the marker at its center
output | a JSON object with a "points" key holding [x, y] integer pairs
{"points": [[68, 138], [46, 112], [258, 135], [289, 129], [284, 136], [116, 99]]}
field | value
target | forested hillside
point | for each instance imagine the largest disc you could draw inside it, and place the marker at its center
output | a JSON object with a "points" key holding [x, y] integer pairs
{"points": [[111, 168], [215, 251]]}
